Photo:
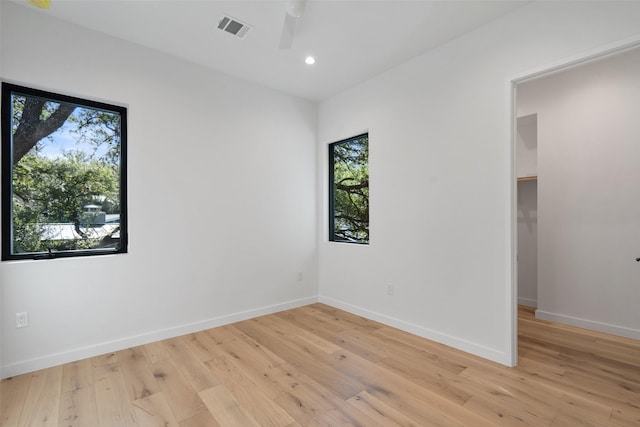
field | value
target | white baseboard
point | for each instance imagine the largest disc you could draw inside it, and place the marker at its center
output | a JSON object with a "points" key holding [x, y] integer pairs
{"points": [[589, 324], [50, 360], [451, 341], [529, 302]]}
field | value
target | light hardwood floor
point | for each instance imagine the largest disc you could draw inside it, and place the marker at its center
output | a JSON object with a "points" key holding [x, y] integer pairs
{"points": [[319, 366]]}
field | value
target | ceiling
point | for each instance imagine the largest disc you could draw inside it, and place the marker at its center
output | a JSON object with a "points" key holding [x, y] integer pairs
{"points": [[351, 40]]}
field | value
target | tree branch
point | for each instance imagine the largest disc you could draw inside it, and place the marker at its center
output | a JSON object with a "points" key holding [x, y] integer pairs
{"points": [[32, 129], [350, 188]]}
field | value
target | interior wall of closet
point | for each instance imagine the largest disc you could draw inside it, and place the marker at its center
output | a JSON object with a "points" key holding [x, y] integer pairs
{"points": [[527, 175]]}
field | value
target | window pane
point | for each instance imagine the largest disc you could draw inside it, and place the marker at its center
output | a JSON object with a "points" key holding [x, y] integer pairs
{"points": [[63, 167], [349, 190]]}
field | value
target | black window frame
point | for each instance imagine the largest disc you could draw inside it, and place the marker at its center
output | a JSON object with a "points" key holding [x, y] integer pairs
{"points": [[6, 109], [332, 189]]}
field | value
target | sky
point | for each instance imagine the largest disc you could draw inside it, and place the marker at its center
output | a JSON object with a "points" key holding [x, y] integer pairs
{"points": [[64, 140]]}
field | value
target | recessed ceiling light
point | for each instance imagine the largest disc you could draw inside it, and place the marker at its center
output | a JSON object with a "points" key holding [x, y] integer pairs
{"points": [[310, 60]]}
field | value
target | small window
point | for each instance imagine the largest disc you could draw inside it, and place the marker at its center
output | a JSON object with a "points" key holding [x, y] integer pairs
{"points": [[63, 175], [349, 190]]}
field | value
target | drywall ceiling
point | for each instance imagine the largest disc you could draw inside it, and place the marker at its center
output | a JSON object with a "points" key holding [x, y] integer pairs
{"points": [[352, 40]]}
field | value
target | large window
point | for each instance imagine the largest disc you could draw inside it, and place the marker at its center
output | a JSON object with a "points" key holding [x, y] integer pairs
{"points": [[63, 175], [349, 190]]}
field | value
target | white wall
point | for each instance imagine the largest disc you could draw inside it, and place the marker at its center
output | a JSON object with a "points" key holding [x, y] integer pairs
{"points": [[526, 147], [589, 210], [441, 177], [222, 200], [528, 243]]}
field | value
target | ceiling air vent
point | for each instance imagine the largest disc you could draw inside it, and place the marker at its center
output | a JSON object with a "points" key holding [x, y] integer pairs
{"points": [[233, 26]]}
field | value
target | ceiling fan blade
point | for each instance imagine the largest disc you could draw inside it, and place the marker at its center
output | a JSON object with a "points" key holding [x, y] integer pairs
{"points": [[288, 31]]}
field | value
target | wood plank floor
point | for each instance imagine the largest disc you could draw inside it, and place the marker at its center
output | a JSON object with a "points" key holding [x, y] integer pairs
{"points": [[319, 366]]}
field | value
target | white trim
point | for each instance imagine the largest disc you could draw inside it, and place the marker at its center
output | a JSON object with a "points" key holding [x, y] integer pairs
{"points": [[55, 359], [580, 59], [529, 302], [589, 324], [451, 341], [512, 231]]}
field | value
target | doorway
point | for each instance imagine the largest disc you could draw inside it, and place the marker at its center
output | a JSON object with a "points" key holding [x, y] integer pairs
{"points": [[587, 208]]}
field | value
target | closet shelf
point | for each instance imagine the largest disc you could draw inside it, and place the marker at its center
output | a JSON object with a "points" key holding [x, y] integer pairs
{"points": [[528, 178]]}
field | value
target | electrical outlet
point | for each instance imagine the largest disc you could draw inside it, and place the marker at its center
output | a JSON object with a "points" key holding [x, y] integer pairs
{"points": [[22, 319], [390, 289]]}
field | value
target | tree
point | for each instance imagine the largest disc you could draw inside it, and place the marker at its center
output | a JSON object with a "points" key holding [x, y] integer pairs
{"points": [[351, 190], [54, 191], [100, 129], [35, 119], [64, 157]]}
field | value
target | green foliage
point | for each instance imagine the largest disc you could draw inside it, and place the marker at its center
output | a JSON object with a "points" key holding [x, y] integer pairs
{"points": [[54, 191], [99, 129], [351, 190]]}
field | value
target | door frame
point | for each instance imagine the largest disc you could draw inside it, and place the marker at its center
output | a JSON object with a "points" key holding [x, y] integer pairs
{"points": [[537, 73]]}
